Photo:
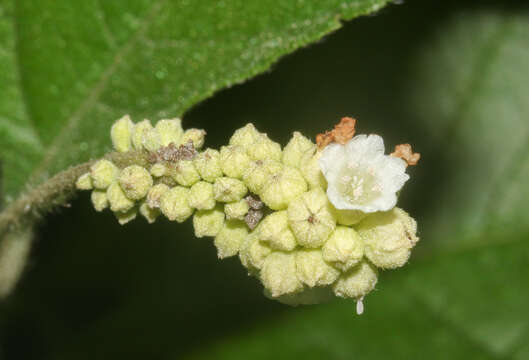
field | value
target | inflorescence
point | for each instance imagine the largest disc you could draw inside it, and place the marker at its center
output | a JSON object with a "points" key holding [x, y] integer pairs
{"points": [[310, 220]]}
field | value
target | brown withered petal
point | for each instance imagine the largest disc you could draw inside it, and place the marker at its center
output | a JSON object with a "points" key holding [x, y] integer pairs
{"points": [[345, 130], [342, 133], [405, 152], [322, 140]]}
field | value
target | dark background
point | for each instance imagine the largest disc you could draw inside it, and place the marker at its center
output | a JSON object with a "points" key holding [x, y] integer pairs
{"points": [[94, 289]]}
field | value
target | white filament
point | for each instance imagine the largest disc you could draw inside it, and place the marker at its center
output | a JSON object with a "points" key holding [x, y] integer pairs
{"points": [[360, 306]]}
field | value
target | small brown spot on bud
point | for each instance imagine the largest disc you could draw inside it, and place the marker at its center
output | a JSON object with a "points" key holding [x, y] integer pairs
{"points": [[254, 202], [253, 217], [172, 153]]}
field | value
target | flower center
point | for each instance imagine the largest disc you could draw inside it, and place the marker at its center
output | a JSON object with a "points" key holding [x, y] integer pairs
{"points": [[358, 185]]}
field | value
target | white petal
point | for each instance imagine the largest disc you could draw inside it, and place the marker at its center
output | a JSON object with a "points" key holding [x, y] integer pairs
{"points": [[393, 173], [365, 146], [371, 178], [331, 160], [383, 203], [337, 199]]}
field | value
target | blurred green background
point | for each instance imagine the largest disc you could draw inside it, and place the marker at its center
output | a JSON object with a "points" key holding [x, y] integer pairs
{"points": [[451, 78]]}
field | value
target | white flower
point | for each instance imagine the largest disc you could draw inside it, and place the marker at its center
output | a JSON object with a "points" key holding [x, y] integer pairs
{"points": [[360, 176]]}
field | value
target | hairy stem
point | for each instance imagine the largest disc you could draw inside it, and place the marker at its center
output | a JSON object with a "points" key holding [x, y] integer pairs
{"points": [[55, 192], [17, 219]]}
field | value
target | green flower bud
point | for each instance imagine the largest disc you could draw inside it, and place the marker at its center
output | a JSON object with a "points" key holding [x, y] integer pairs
{"points": [[309, 296], [158, 170], [139, 133], [184, 173], [298, 146], [170, 131], [356, 282], [84, 182], [103, 173], [274, 231], [228, 241], [119, 202], [149, 213], [310, 168], [99, 199], [312, 269], [155, 194], [152, 140], [245, 137], [278, 274], [135, 181], [174, 204], [253, 252], [258, 172], [388, 237], [264, 148], [233, 160], [207, 164], [196, 136], [280, 189], [236, 210], [121, 134], [344, 248], [127, 216], [201, 196], [208, 222], [349, 217], [229, 190], [310, 218]]}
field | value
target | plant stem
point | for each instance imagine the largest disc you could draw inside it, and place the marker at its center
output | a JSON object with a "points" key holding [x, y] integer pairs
{"points": [[55, 192], [18, 218]]}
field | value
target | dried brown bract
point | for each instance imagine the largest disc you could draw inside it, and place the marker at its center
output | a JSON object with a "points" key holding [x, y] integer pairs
{"points": [[254, 202], [322, 140], [253, 217], [405, 152], [255, 213], [173, 153], [345, 130], [342, 133]]}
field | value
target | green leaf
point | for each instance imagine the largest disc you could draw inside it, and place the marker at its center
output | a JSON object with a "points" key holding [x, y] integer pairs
{"points": [[472, 89], [468, 84], [20, 145], [450, 78], [70, 68]]}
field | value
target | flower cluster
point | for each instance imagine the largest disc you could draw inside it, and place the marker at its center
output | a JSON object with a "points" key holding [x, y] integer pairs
{"points": [[309, 222]]}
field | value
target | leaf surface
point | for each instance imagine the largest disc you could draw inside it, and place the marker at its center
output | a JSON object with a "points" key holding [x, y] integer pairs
{"points": [[466, 298], [438, 308], [69, 69]]}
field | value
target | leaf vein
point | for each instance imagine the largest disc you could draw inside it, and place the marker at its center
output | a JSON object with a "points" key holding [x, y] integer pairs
{"points": [[459, 331], [73, 121], [483, 66]]}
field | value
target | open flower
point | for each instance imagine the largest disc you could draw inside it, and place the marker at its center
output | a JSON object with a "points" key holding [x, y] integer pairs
{"points": [[360, 176]]}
